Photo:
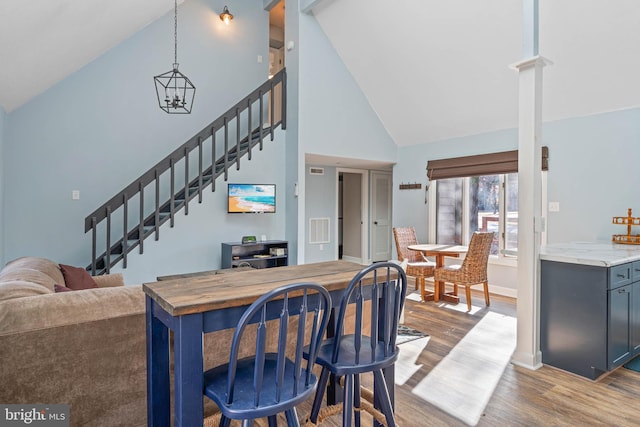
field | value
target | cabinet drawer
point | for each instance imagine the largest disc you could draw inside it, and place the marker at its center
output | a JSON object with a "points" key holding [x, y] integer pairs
{"points": [[620, 275], [635, 271]]}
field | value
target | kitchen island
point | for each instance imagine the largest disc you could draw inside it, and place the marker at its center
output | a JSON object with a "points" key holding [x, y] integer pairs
{"points": [[589, 306]]}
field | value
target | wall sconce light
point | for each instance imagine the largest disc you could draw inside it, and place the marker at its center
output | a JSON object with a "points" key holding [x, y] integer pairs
{"points": [[226, 16]]}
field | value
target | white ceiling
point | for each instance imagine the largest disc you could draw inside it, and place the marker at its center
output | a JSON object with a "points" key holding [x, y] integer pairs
{"points": [[435, 70], [432, 70], [43, 41]]}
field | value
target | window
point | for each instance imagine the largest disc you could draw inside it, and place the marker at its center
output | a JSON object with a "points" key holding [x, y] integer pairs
{"points": [[478, 203], [477, 193]]}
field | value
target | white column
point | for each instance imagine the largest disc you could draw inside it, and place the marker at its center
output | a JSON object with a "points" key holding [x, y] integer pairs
{"points": [[527, 353]]}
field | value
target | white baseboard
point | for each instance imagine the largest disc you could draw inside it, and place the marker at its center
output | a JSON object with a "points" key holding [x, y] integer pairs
{"points": [[352, 259]]}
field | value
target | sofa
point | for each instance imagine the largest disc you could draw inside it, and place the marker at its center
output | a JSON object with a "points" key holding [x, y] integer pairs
{"points": [[84, 348]]}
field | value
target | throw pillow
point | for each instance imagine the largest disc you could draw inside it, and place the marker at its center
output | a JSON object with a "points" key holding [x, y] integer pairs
{"points": [[60, 288], [77, 278]]}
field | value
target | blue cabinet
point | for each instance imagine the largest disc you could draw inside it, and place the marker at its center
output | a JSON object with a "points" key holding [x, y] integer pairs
{"points": [[589, 316]]}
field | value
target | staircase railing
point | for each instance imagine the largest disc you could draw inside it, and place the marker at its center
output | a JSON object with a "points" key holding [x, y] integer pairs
{"points": [[111, 221]]}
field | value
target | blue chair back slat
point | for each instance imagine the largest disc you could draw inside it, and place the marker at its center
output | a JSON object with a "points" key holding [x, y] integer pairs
{"points": [[278, 383], [313, 345], [385, 321], [282, 344], [302, 324], [375, 313], [261, 342], [357, 341]]}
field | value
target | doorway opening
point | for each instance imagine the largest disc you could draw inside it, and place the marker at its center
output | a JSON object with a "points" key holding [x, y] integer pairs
{"points": [[276, 38], [352, 239]]}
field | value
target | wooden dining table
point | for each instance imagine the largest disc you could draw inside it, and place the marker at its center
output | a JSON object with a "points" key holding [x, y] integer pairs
{"points": [[440, 252], [191, 305]]}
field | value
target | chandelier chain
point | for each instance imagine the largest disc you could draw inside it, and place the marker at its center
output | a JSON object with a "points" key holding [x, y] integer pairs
{"points": [[175, 32]]}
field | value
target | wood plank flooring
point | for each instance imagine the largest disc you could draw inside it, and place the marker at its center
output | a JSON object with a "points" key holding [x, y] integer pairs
{"points": [[546, 397]]}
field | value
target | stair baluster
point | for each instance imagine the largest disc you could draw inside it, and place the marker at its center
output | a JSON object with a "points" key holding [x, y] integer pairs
{"points": [[213, 159], [125, 227], [156, 216], [249, 125]]}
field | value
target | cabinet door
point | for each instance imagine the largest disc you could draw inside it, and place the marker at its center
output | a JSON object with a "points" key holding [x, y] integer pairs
{"points": [[635, 318], [619, 325]]}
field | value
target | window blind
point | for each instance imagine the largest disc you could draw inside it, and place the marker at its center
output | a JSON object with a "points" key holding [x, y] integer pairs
{"points": [[478, 165]]}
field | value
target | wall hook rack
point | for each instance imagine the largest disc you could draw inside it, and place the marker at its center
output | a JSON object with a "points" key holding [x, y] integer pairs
{"points": [[414, 186]]}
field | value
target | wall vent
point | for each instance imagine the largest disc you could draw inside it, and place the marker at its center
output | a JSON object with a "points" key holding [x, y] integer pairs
{"points": [[318, 230], [316, 171]]}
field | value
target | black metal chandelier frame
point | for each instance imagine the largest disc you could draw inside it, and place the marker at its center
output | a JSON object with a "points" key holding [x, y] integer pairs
{"points": [[174, 90]]}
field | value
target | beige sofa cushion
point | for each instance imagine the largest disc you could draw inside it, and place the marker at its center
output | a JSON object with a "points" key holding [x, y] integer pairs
{"points": [[43, 265], [68, 308], [19, 289], [109, 280], [29, 275]]}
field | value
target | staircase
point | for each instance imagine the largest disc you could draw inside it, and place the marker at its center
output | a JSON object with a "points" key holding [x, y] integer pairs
{"points": [[141, 203]]}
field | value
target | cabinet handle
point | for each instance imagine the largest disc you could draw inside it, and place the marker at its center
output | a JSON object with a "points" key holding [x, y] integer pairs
{"points": [[621, 276], [622, 291]]}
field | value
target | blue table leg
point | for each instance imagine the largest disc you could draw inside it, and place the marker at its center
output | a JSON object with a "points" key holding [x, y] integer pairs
{"points": [[189, 382], [158, 391]]}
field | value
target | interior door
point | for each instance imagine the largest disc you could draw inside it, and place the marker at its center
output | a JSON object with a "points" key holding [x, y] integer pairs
{"points": [[381, 216]]}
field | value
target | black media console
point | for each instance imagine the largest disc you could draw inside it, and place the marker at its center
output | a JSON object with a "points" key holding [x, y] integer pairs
{"points": [[267, 254]]}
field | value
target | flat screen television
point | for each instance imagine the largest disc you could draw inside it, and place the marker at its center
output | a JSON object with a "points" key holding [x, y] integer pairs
{"points": [[251, 198]]}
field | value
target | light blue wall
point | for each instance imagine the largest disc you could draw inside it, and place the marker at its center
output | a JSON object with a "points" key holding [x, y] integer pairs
{"points": [[101, 128], [593, 174], [335, 117], [2, 203], [320, 203]]}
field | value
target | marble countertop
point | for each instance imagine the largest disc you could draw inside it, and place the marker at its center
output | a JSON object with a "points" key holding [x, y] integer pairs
{"points": [[601, 254]]}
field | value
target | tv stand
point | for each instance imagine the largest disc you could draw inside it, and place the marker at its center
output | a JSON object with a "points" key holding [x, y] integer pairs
{"points": [[267, 254]]}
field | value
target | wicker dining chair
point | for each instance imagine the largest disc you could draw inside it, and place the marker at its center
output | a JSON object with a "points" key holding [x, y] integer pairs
{"points": [[473, 270], [417, 265]]}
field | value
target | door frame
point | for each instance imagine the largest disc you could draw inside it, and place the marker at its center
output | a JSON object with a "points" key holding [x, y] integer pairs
{"points": [[364, 206]]}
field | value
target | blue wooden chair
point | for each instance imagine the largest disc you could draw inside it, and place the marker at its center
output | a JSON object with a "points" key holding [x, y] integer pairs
{"points": [[267, 383], [350, 354]]}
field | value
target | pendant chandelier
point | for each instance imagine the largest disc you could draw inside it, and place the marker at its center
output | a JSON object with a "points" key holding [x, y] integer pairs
{"points": [[175, 91]]}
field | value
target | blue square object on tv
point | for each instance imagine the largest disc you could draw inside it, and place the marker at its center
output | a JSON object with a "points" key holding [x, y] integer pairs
{"points": [[251, 198]]}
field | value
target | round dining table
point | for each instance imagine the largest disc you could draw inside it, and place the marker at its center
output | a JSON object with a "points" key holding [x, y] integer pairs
{"points": [[440, 252]]}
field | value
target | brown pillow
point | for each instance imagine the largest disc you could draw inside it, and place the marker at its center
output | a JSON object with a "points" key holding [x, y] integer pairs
{"points": [[60, 288], [77, 278]]}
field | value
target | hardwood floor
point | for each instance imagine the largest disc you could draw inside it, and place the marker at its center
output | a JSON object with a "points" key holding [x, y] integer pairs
{"points": [[545, 397]]}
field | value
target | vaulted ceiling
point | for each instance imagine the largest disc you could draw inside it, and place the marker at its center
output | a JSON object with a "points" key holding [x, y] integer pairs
{"points": [[431, 70], [44, 41], [434, 70]]}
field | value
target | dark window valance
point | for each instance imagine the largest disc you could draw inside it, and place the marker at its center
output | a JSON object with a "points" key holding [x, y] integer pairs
{"points": [[482, 164]]}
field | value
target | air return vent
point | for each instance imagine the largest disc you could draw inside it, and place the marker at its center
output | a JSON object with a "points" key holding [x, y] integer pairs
{"points": [[318, 230], [316, 171]]}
